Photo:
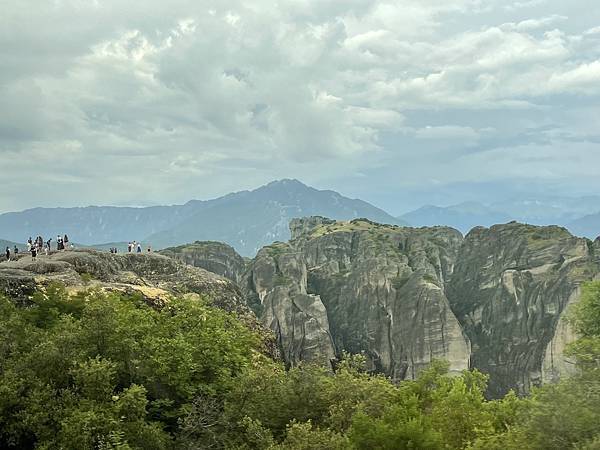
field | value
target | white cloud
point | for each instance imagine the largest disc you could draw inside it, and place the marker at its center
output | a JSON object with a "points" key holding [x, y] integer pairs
{"points": [[316, 90], [515, 6], [445, 132], [584, 78]]}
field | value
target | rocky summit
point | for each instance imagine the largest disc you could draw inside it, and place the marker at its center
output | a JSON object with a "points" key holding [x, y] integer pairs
{"points": [[495, 299], [215, 257], [363, 288], [154, 277]]}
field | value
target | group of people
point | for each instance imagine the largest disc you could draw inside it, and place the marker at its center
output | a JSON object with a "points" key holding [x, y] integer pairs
{"points": [[35, 247], [135, 247], [38, 245], [8, 253]]}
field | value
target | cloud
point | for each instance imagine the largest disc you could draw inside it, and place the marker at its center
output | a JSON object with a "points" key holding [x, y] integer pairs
{"points": [[445, 132], [209, 97], [515, 6]]}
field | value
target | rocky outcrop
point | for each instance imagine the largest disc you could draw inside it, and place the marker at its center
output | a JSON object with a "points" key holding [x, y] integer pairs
{"points": [[361, 287], [510, 289], [216, 257], [278, 278], [495, 300], [155, 277]]}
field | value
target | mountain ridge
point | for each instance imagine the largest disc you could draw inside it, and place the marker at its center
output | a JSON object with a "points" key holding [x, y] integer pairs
{"points": [[247, 220], [581, 215]]}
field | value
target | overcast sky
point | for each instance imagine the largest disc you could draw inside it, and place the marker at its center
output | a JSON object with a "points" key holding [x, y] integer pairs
{"points": [[398, 102]]}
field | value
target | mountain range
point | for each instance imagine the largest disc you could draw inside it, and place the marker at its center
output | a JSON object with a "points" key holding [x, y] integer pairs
{"points": [[581, 215], [246, 220], [249, 220]]}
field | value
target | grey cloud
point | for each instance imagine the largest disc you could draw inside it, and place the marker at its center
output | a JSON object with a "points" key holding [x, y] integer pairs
{"points": [[209, 97]]}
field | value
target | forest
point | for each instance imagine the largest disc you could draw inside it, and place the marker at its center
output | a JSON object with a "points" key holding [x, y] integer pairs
{"points": [[97, 370]]}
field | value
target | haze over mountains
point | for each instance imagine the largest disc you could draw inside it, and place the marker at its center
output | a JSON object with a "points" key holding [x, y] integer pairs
{"points": [[579, 214], [249, 220], [246, 220]]}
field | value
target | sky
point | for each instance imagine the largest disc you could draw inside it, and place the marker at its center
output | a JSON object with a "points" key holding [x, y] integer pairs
{"points": [[400, 103]]}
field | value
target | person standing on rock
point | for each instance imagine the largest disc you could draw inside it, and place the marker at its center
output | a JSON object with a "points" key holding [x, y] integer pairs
{"points": [[16, 251], [139, 248], [29, 243], [33, 253], [66, 241], [7, 254]]}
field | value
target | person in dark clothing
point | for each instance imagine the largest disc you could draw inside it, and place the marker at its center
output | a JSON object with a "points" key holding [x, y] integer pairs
{"points": [[33, 253], [16, 251], [7, 254], [66, 242]]}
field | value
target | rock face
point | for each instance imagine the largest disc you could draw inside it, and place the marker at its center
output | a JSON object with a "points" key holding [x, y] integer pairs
{"points": [[216, 257], [495, 300], [510, 288], [278, 282], [154, 276], [361, 287]]}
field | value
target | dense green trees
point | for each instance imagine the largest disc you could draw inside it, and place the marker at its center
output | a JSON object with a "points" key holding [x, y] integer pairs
{"points": [[99, 371], [96, 370]]}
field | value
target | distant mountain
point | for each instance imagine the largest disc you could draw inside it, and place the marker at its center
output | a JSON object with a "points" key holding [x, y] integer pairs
{"points": [[4, 243], [549, 209], [587, 226], [569, 212], [93, 224], [463, 217], [246, 220], [249, 220]]}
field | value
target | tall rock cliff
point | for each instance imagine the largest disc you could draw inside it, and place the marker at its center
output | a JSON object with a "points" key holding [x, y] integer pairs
{"points": [[496, 300], [510, 289], [372, 289]]}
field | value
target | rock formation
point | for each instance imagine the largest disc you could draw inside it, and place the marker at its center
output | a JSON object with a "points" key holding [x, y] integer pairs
{"points": [[495, 300], [278, 283], [153, 276], [216, 257], [372, 289], [510, 289]]}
